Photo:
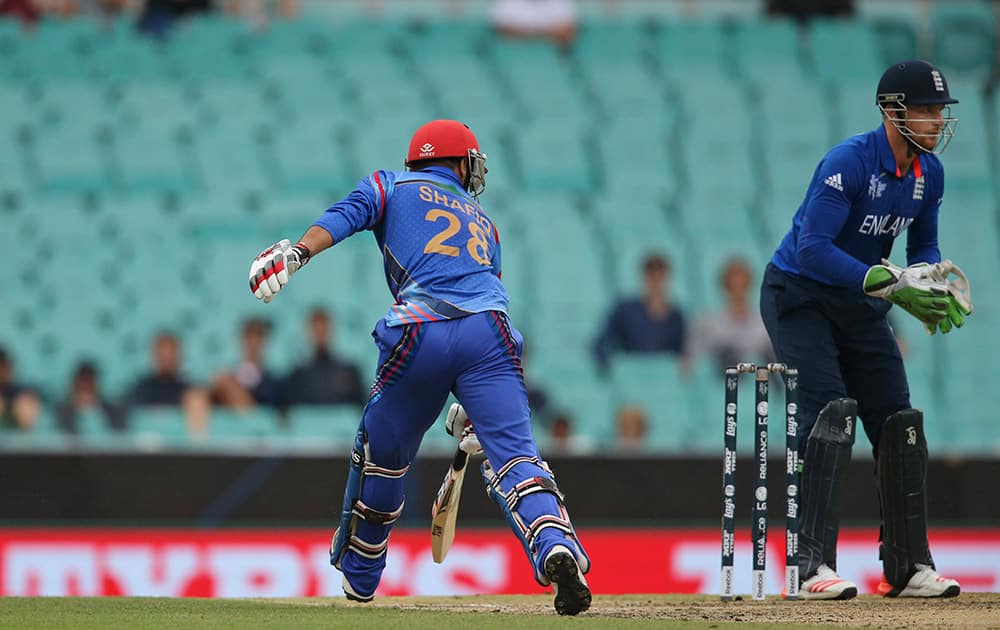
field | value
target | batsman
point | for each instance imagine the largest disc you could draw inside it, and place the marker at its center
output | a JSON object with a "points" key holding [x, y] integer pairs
{"points": [[824, 299], [447, 331]]}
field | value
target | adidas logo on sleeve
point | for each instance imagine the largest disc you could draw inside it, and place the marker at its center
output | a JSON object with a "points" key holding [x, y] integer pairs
{"points": [[834, 181]]}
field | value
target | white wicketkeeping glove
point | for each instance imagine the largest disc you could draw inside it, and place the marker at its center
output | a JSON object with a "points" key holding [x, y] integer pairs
{"points": [[958, 290], [459, 426], [271, 270]]}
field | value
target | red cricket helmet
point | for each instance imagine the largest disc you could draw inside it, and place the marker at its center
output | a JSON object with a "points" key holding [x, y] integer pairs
{"points": [[450, 139]]}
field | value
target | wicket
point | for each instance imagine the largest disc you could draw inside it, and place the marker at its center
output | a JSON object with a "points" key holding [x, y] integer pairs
{"points": [[759, 522]]}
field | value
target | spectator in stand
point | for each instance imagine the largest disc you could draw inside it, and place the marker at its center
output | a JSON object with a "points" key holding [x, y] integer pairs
{"points": [[261, 13], [736, 333], [158, 17], [631, 425], [250, 383], [803, 10], [323, 378], [85, 396], [166, 387], [25, 10], [563, 437], [649, 323], [104, 9], [548, 19], [19, 404]]}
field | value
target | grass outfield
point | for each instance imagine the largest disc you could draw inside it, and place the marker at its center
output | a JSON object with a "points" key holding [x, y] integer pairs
{"points": [[520, 612]]}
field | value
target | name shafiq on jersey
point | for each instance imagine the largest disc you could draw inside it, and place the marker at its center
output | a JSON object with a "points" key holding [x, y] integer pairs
{"points": [[441, 252]]}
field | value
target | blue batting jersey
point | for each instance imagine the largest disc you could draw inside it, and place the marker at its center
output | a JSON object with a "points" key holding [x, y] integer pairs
{"points": [[856, 205], [441, 251]]}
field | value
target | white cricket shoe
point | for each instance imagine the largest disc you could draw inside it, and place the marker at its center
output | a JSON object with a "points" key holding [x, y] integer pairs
{"points": [[926, 582], [572, 593], [826, 584]]}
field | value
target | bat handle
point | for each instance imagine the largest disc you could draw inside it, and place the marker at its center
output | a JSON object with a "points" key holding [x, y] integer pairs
{"points": [[461, 459]]}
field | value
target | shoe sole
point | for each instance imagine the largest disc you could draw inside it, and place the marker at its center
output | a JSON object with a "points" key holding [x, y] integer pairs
{"points": [[572, 594], [951, 591], [847, 593]]}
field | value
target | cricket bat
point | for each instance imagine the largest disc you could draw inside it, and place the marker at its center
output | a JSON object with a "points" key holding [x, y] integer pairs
{"points": [[445, 508]]}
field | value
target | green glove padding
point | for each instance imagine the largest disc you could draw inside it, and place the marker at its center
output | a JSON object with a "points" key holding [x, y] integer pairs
{"points": [[956, 314], [926, 301]]}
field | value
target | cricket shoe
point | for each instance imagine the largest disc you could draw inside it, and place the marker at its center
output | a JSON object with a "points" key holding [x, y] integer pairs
{"points": [[353, 595], [572, 593], [826, 584], [925, 583]]}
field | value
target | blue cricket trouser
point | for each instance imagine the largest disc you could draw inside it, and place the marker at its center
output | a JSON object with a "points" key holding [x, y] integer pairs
{"points": [[478, 358], [841, 343]]}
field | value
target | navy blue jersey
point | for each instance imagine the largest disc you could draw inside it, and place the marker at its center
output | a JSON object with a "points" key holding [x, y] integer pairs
{"points": [[856, 205], [441, 251]]}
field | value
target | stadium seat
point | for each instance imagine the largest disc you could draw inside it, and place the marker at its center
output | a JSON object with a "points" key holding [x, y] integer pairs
{"points": [[767, 49], [158, 428], [125, 55], [655, 384], [167, 169], [597, 155], [685, 45], [964, 37], [553, 157], [852, 44], [56, 49], [648, 148], [967, 158], [305, 158], [208, 48], [324, 425], [234, 428], [541, 81]]}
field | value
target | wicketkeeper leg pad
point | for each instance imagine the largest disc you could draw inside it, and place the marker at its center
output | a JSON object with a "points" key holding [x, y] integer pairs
{"points": [[824, 468], [372, 503], [902, 479], [526, 492]]}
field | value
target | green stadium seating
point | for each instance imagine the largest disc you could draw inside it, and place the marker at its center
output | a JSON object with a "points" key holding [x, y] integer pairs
{"points": [[158, 428], [234, 428], [553, 157], [165, 169], [967, 158], [324, 425], [154, 172], [56, 49], [684, 45], [768, 49], [656, 384], [964, 37], [843, 50], [125, 56], [305, 158], [56, 149], [208, 48]]}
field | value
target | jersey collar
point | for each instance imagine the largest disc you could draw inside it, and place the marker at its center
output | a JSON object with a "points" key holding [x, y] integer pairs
{"points": [[443, 171], [888, 161]]}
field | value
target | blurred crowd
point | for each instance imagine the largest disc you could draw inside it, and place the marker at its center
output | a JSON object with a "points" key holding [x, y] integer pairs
{"points": [[322, 377], [154, 17], [650, 323], [552, 19]]}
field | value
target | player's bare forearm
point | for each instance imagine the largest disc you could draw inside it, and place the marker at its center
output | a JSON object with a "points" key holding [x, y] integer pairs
{"points": [[316, 239]]}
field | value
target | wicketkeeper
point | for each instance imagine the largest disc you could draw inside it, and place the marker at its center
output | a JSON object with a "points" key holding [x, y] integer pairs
{"points": [[824, 300], [447, 331]]}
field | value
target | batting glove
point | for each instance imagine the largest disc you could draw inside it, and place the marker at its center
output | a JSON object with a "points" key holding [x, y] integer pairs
{"points": [[272, 269], [458, 425]]}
